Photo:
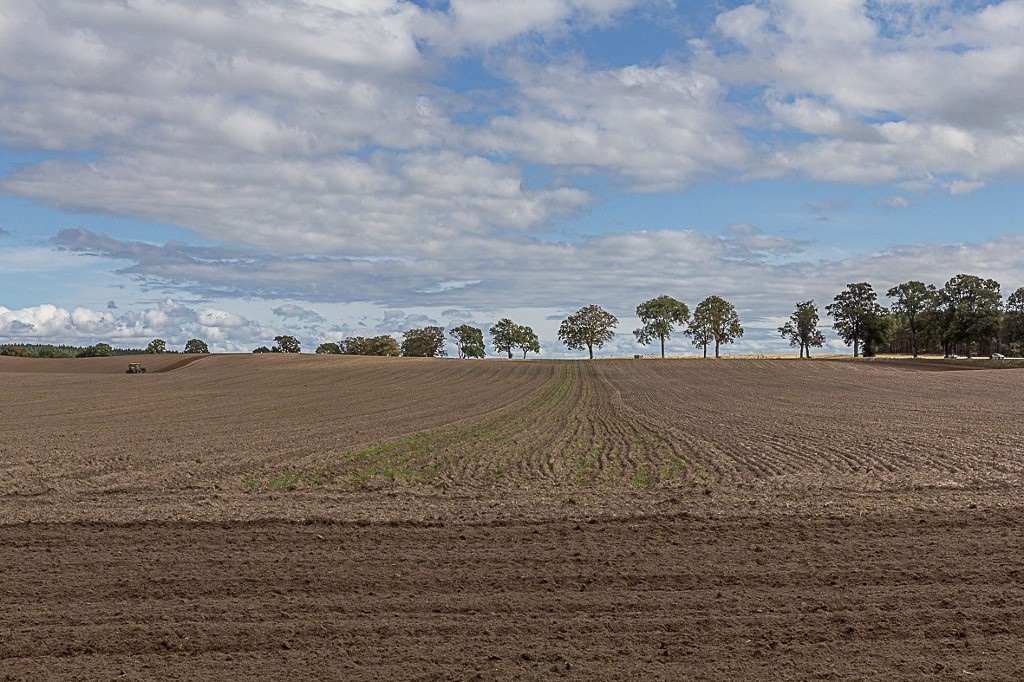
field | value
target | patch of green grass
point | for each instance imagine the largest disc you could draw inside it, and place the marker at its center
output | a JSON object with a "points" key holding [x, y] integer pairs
{"points": [[640, 480]]}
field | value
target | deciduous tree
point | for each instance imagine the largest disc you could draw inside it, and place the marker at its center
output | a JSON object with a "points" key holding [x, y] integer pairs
{"points": [[470, 341], [503, 336], [972, 310], [507, 336], [851, 311], [659, 317], [286, 344], [328, 348], [427, 342], [588, 328], [100, 350], [1013, 321], [196, 346], [156, 346], [383, 345], [526, 340], [802, 328], [913, 302], [715, 319]]}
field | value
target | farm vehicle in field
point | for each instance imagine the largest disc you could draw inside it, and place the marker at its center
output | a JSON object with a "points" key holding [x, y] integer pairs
{"points": [[135, 368]]}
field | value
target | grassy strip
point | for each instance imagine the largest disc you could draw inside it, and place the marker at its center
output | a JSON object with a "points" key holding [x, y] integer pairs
{"points": [[435, 457]]}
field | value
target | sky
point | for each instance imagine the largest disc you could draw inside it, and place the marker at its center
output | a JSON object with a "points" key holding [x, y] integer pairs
{"points": [[232, 170]]}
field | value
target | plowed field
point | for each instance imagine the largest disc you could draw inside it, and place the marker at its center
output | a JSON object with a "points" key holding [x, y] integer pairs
{"points": [[297, 517]]}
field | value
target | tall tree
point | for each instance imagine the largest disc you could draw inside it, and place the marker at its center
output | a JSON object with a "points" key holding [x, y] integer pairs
{"points": [[715, 319], [503, 336], [470, 341], [851, 310], [286, 344], [427, 342], [327, 348], [972, 311], [802, 328], [700, 332], [1013, 321], [156, 347], [912, 302], [526, 340], [877, 330], [659, 317], [588, 328], [196, 346], [383, 345]]}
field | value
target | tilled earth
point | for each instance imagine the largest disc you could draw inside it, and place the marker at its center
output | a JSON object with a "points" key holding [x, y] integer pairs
{"points": [[458, 520]]}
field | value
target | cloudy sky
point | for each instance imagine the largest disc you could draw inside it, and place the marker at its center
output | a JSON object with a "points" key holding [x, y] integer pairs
{"points": [[236, 169]]}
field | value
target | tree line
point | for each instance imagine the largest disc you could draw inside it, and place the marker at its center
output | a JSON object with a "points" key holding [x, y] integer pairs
{"points": [[714, 322], [965, 316]]}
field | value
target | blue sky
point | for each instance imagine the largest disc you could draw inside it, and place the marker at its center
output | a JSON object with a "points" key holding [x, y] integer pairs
{"points": [[237, 170]]}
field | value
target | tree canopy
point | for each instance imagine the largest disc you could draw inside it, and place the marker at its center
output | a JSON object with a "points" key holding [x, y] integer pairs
{"points": [[328, 348], [972, 310], [912, 302], [156, 346], [503, 336], [659, 317], [1013, 321], [286, 344], [383, 345], [715, 319], [470, 341], [507, 336], [802, 328], [852, 311], [100, 350], [588, 328], [526, 340], [427, 342], [196, 346]]}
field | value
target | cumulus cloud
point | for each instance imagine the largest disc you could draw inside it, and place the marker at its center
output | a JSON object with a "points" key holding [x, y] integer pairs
{"points": [[325, 127], [169, 320], [652, 127], [891, 91]]}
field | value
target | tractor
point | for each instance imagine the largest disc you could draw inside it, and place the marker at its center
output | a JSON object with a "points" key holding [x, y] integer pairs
{"points": [[135, 368]]}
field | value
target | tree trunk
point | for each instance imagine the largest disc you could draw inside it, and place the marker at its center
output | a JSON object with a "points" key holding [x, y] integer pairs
{"points": [[856, 346], [705, 350], [510, 353], [808, 351], [590, 348], [716, 348], [663, 347]]}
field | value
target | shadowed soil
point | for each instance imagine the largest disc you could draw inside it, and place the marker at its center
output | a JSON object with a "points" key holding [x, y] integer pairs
{"points": [[378, 519]]}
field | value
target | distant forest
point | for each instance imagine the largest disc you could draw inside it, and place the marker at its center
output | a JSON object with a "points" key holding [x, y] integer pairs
{"points": [[36, 350]]}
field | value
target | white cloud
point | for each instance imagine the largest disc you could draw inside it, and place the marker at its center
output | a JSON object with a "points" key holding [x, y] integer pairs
{"points": [[170, 320], [958, 187], [655, 128], [894, 95]]}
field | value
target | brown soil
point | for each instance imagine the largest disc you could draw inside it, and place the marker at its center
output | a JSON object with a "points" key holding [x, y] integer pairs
{"points": [[307, 517]]}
